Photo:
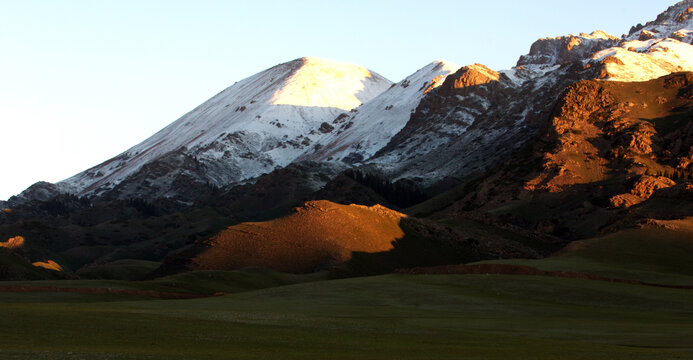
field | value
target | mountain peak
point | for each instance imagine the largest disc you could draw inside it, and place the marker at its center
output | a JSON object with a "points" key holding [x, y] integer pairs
{"points": [[470, 75], [598, 34], [318, 82], [439, 66]]}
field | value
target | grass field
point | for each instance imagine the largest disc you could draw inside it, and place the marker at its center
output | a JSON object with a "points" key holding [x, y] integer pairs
{"points": [[204, 282], [271, 315], [382, 317], [651, 254]]}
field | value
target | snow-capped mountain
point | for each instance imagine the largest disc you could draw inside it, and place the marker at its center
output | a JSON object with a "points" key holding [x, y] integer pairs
{"points": [[360, 134], [254, 126], [441, 122]]}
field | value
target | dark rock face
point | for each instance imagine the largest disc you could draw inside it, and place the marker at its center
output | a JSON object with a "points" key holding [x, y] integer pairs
{"points": [[325, 128], [273, 194]]}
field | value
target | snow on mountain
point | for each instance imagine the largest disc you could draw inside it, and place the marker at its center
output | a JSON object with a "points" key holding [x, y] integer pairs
{"points": [[676, 23], [655, 49], [649, 51], [638, 60], [259, 123], [356, 136]]}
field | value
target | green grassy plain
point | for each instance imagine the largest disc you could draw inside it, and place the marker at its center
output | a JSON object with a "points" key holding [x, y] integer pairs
{"points": [[381, 317], [271, 315], [652, 254]]}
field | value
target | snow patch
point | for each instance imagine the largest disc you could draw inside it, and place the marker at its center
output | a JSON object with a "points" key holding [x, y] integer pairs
{"points": [[378, 120], [646, 60]]}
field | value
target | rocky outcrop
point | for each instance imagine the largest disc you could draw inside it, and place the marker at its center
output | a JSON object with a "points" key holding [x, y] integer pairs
{"points": [[434, 83], [467, 76], [646, 35], [563, 49], [641, 191], [599, 127]]}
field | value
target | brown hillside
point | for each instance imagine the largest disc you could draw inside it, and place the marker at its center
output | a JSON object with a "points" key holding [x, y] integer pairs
{"points": [[601, 129], [349, 240], [318, 233], [608, 151]]}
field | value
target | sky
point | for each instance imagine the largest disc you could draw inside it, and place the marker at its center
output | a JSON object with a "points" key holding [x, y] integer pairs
{"points": [[82, 81]]}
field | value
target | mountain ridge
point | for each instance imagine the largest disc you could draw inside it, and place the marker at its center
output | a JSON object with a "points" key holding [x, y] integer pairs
{"points": [[312, 109], [486, 164]]}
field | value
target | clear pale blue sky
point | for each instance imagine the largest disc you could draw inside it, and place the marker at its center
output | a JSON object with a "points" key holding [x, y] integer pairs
{"points": [[82, 81]]}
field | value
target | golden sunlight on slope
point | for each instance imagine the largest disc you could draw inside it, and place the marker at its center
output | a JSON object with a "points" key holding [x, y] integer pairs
{"points": [[324, 83], [319, 233], [13, 242], [48, 264]]}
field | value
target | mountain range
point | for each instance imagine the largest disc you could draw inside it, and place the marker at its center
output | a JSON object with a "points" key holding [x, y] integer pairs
{"points": [[587, 135]]}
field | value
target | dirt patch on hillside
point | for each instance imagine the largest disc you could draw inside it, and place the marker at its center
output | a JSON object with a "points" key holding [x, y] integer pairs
{"points": [[13, 243], [49, 265]]}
